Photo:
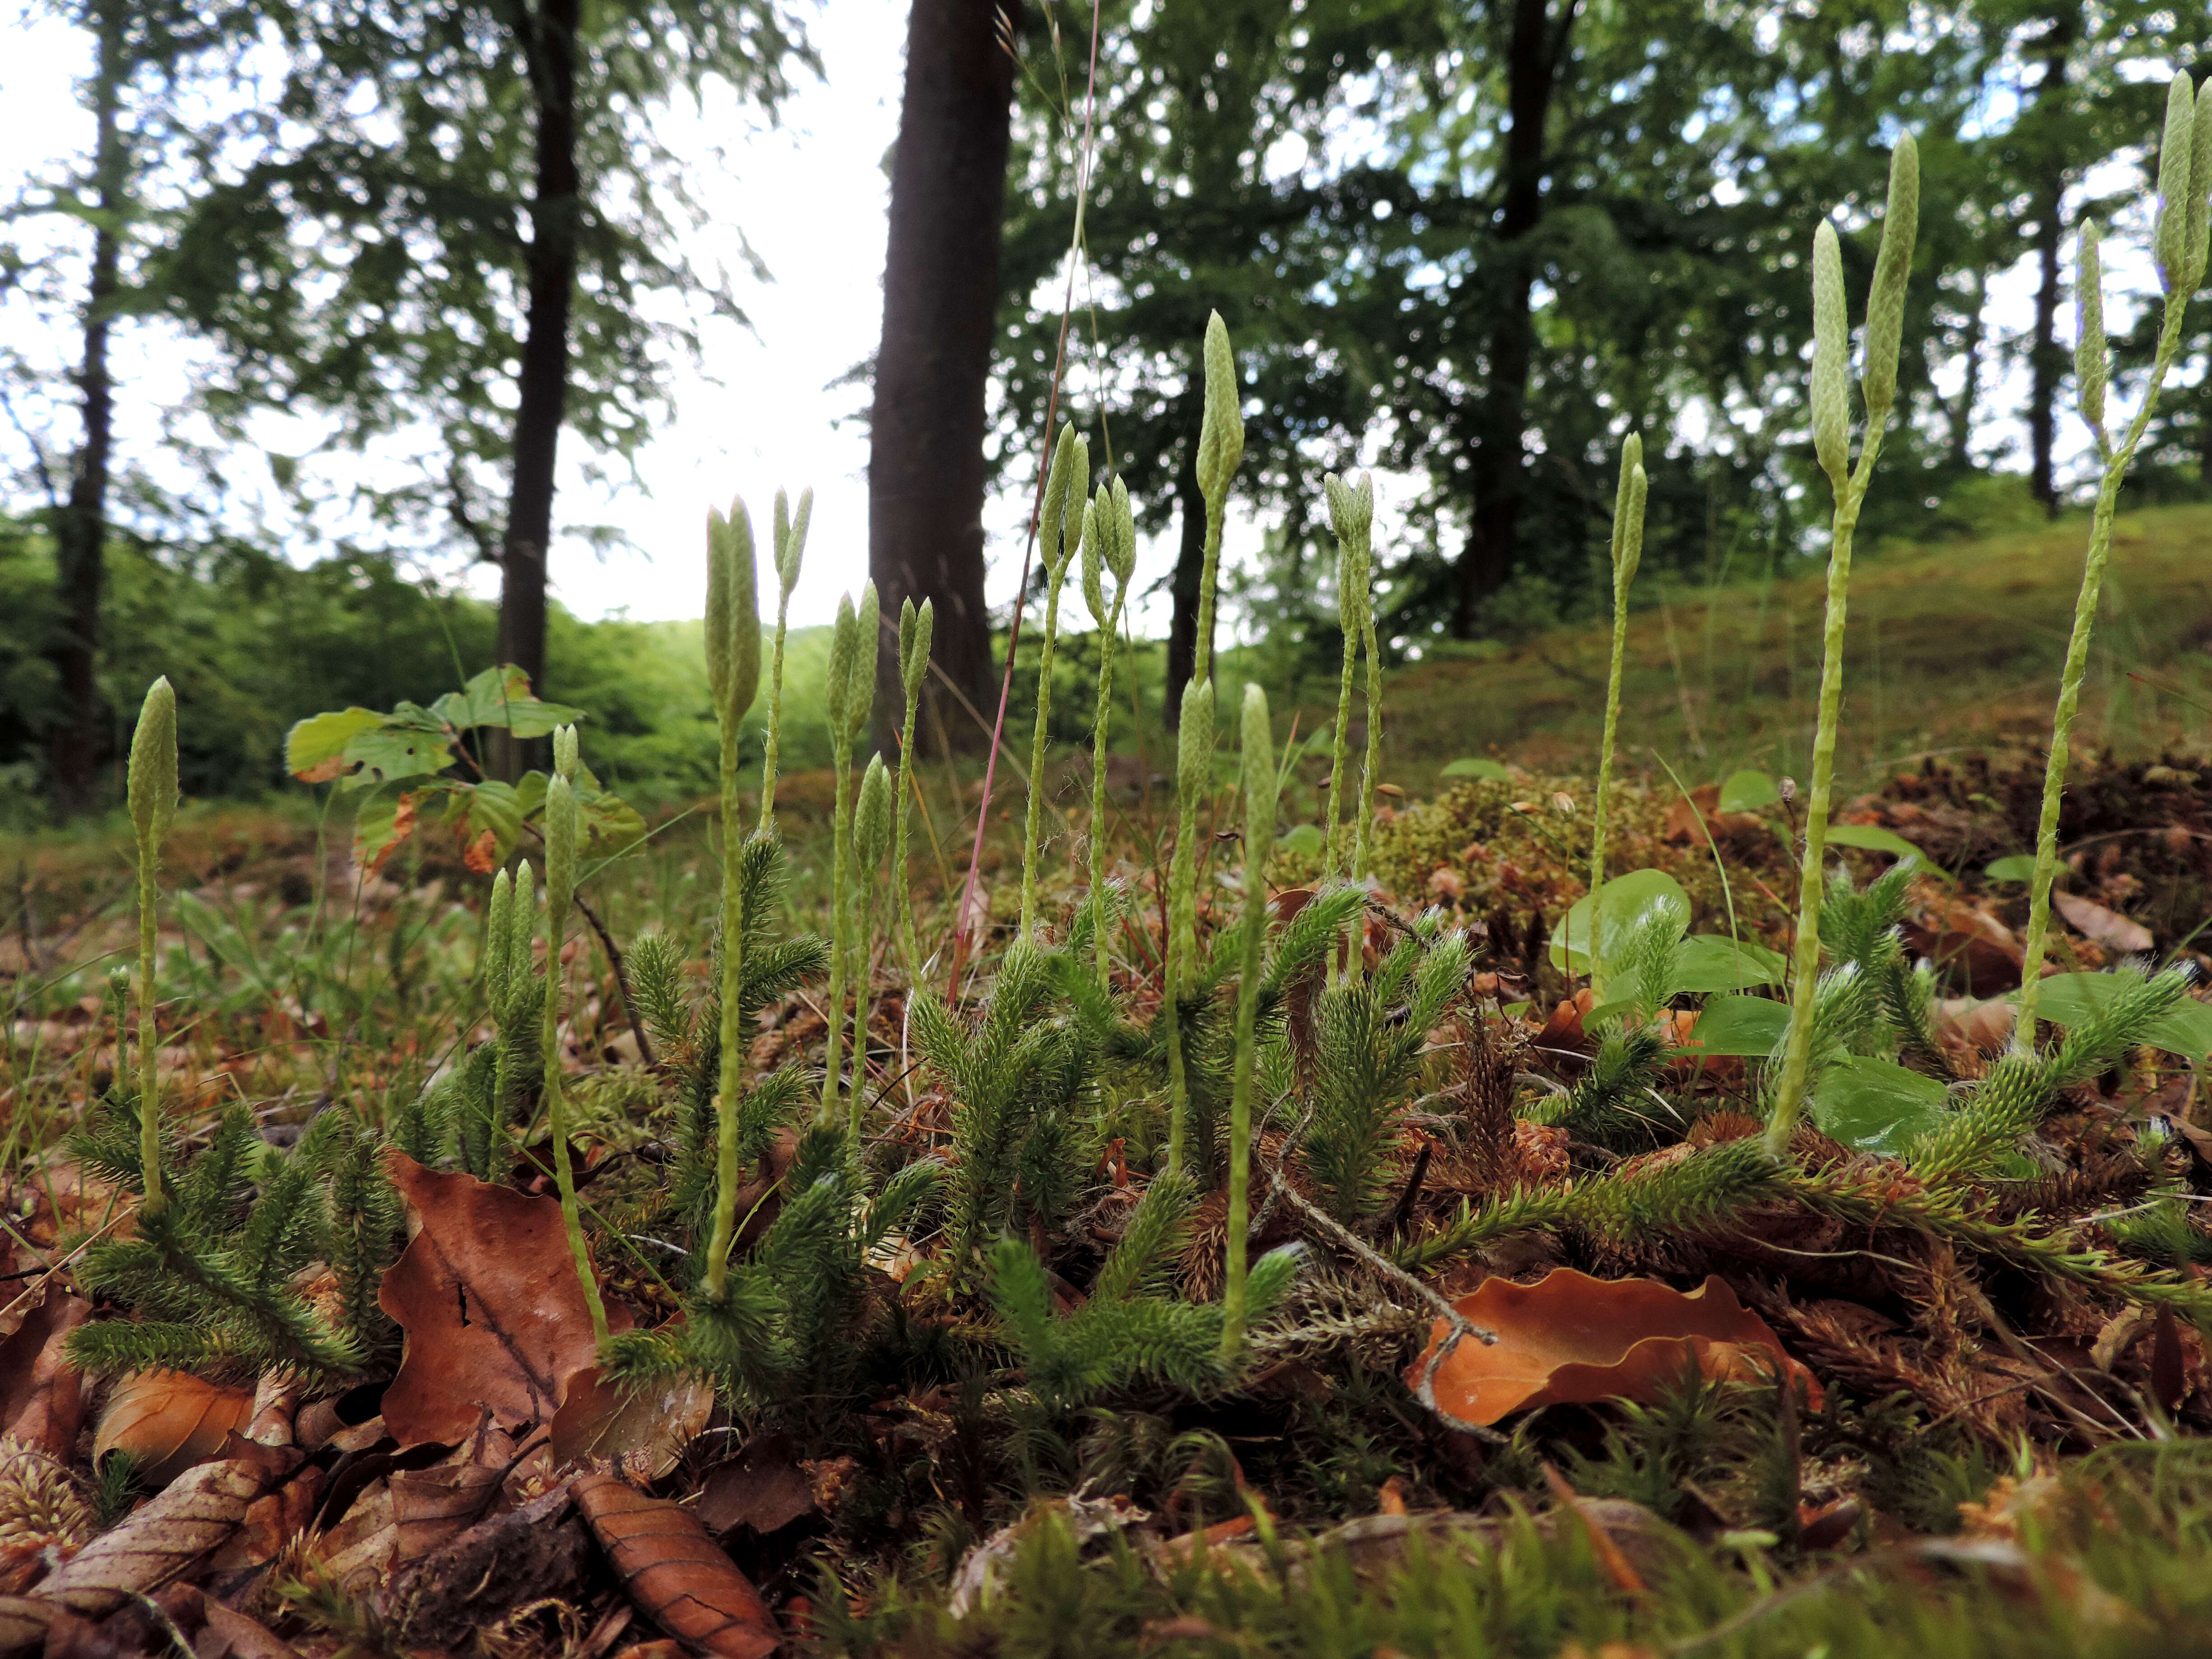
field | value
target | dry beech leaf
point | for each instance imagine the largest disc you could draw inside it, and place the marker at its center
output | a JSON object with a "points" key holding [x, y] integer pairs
{"points": [[487, 1294], [678, 1577], [644, 1429], [41, 1393], [525, 1555], [169, 1421], [764, 1489], [224, 1632], [1570, 1339], [2107, 927], [1955, 933], [271, 1522], [431, 1507], [173, 1532]]}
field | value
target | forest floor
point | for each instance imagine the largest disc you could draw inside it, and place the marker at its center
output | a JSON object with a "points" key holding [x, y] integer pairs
{"points": [[1865, 1406]]}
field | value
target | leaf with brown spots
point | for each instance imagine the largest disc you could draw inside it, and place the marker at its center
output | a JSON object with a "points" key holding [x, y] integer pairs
{"points": [[678, 1577], [167, 1421], [1571, 1339], [486, 1294]]}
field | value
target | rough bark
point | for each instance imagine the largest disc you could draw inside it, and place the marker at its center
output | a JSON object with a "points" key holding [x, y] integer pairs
{"points": [[2048, 358], [1536, 49], [925, 463], [78, 744], [549, 45], [1182, 587]]}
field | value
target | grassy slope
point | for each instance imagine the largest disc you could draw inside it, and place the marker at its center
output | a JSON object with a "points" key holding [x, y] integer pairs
{"points": [[1950, 647]]}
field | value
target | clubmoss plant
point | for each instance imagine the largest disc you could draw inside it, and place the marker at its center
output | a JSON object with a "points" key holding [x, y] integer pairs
{"points": [[1069, 477], [852, 700], [153, 795], [871, 840], [1261, 783], [1194, 770], [2179, 239], [1831, 399], [733, 677], [497, 1076], [1628, 551], [915, 628], [1109, 542], [790, 548], [561, 828]]}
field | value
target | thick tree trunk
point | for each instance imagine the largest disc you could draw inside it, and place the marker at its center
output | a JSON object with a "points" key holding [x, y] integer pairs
{"points": [[926, 464], [1183, 586], [2048, 359], [556, 203], [1497, 462], [78, 741]]}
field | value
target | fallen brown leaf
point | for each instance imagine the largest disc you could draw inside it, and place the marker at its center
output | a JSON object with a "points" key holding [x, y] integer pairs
{"points": [[486, 1294], [1968, 940], [763, 1488], [1570, 1338], [441, 1599], [168, 1420], [678, 1577], [643, 1429], [2107, 927], [41, 1393]]}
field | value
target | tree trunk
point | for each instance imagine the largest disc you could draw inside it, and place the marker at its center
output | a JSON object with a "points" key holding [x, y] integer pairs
{"points": [[926, 464], [78, 741], [2048, 360], [1498, 462], [1183, 586], [550, 47]]}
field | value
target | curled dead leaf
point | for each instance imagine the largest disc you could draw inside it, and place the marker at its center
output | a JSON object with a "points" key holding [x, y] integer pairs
{"points": [[41, 1392], [679, 1577], [486, 1294], [2107, 927], [1571, 1339], [643, 1429], [167, 1421]]}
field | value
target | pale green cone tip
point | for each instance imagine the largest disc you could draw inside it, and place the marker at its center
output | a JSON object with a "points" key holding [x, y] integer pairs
{"points": [[564, 751], [1893, 268], [742, 622], [913, 653], [1221, 425], [1121, 551], [2176, 170], [153, 774], [1195, 740], [2197, 224], [791, 547], [560, 845], [1829, 388], [871, 820], [861, 671], [1259, 781], [2091, 362], [717, 626], [1094, 591], [844, 647]]}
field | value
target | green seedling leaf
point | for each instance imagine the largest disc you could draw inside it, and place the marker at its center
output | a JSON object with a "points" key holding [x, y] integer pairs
{"points": [[501, 698], [314, 751], [1473, 766], [1305, 839], [1630, 901], [2069, 999], [396, 748], [611, 826], [1713, 961], [2021, 866], [1875, 1105], [1748, 792], [1748, 1027], [1873, 838]]}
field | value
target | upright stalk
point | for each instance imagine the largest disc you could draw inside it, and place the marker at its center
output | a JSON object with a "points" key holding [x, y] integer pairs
{"points": [[2179, 236], [1261, 783], [790, 548], [153, 794], [872, 839], [732, 677], [560, 890], [1831, 416], [1110, 539], [1220, 448], [915, 628], [1628, 551], [1071, 469], [852, 699]]}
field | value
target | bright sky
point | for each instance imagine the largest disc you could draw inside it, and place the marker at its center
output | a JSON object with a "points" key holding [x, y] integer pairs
{"points": [[810, 197]]}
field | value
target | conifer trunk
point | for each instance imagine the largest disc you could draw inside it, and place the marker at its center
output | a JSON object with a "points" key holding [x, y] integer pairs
{"points": [[549, 45], [2048, 358], [1497, 462], [77, 742], [926, 464], [1189, 571]]}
